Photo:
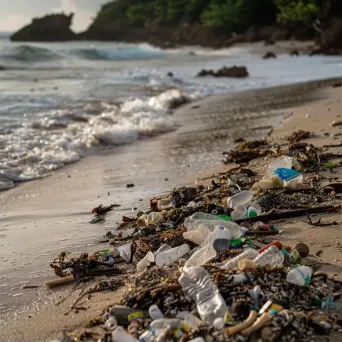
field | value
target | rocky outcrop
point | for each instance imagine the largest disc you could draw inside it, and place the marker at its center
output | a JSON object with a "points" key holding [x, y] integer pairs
{"points": [[234, 71], [54, 27]]}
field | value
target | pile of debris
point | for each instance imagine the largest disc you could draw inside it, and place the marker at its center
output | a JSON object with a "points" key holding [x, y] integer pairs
{"points": [[203, 270]]}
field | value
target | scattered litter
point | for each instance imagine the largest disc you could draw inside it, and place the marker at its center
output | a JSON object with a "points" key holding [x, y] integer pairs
{"points": [[206, 268]]}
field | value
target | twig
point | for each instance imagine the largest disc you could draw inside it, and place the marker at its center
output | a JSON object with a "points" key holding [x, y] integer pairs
{"points": [[319, 223]]}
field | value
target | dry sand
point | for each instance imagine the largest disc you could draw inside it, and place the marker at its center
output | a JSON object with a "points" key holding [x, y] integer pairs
{"points": [[42, 218]]}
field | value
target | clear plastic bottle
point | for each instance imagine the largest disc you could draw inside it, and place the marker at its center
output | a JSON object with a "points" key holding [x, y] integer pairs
{"points": [[199, 216], [158, 327], [155, 312], [196, 283], [201, 257], [241, 198], [197, 236], [219, 232], [172, 255], [285, 162], [272, 256], [154, 218], [211, 225], [166, 203], [238, 213], [121, 335], [145, 262], [234, 263], [254, 210], [163, 248], [299, 276]]}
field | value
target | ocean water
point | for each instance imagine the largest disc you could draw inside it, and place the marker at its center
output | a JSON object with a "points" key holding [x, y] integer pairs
{"points": [[61, 101]]}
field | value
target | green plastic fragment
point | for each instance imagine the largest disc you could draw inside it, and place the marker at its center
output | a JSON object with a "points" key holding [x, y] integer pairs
{"points": [[330, 165], [225, 217]]}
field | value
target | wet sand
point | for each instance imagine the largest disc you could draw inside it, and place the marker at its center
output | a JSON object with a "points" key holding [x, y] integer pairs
{"points": [[43, 218]]}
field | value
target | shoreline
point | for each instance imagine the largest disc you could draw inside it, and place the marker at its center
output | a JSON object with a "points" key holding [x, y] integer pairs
{"points": [[101, 160]]}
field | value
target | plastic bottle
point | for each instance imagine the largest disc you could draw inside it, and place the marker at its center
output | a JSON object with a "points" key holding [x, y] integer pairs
{"points": [[166, 203], [219, 232], [155, 312], [172, 255], [285, 162], [196, 283], [272, 256], [154, 218], [247, 254], [145, 262], [268, 184], [121, 335], [163, 248], [211, 225], [197, 236], [201, 257], [199, 216], [125, 251], [239, 212], [241, 198], [299, 276], [276, 243], [254, 210], [159, 326], [289, 176]]}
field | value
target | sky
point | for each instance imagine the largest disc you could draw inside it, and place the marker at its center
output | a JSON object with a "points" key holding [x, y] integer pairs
{"points": [[15, 14]]}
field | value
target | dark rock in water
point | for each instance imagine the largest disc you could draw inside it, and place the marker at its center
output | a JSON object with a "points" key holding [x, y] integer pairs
{"points": [[54, 27], [337, 85], [234, 71], [2, 68], [269, 54], [294, 52], [170, 74]]}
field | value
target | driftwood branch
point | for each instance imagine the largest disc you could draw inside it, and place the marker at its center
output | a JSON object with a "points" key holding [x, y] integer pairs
{"points": [[290, 214]]}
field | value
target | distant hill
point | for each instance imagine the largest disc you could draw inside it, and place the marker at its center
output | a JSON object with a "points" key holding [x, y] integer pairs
{"points": [[211, 23]]}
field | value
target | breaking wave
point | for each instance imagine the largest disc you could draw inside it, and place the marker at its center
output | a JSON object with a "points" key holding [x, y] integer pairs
{"points": [[66, 135], [31, 53]]}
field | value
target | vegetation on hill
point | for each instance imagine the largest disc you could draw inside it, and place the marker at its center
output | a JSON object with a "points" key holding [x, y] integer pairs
{"points": [[231, 15]]}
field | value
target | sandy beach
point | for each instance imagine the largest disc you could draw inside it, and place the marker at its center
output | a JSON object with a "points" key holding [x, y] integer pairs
{"points": [[40, 219]]}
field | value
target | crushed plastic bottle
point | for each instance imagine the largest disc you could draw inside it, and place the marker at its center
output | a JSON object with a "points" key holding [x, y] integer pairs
{"points": [[285, 162], [166, 203], [154, 218], [199, 216], [241, 198], [196, 283], [201, 257], [299, 276], [125, 251], [272, 256], [234, 263], [235, 229], [145, 262], [172, 255], [197, 236]]}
